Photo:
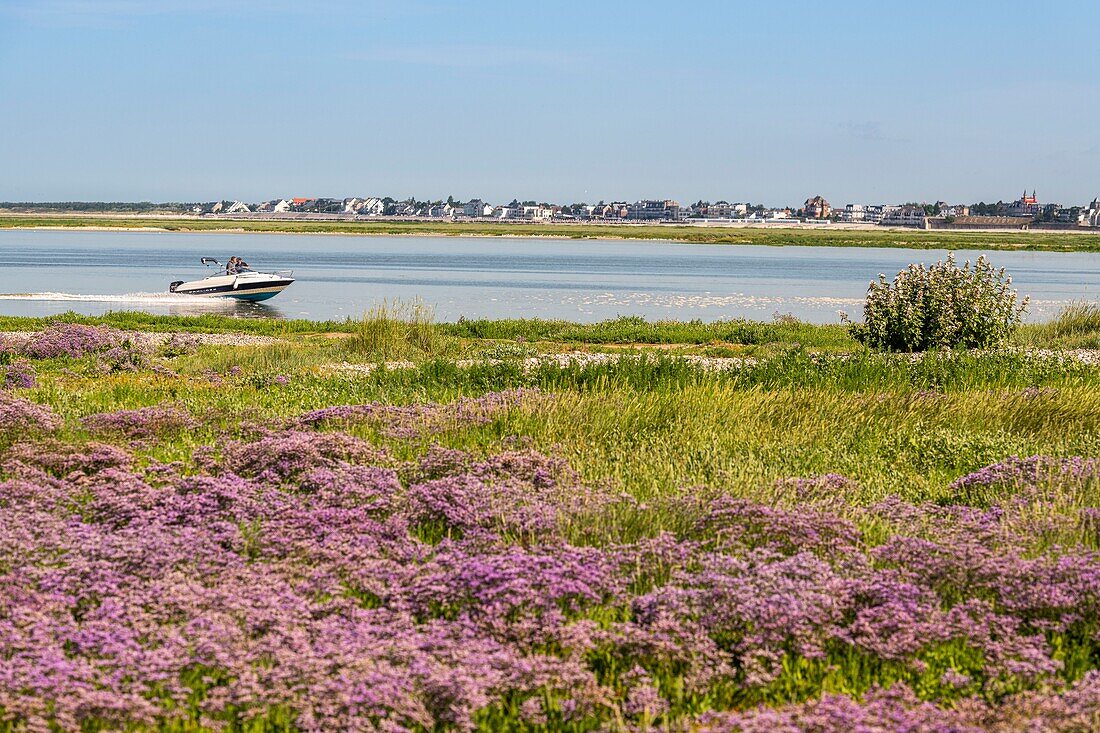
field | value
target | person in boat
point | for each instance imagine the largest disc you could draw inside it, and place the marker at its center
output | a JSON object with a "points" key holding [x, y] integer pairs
{"points": [[235, 265]]}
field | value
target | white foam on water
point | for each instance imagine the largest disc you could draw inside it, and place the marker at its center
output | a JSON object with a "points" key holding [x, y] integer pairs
{"points": [[158, 298]]}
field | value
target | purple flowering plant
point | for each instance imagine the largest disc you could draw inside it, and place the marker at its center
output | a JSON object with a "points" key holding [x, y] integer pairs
{"points": [[19, 375], [308, 579]]}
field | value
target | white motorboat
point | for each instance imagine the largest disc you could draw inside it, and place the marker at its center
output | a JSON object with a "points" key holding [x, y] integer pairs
{"points": [[235, 281]]}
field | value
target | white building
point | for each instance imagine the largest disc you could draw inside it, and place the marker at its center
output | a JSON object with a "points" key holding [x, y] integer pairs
{"points": [[1090, 217], [874, 214], [773, 216], [365, 207], [906, 216], [538, 213], [852, 212], [954, 210]]}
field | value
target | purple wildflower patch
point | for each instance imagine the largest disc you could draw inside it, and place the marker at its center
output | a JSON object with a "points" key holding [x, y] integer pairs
{"points": [[289, 454], [411, 421], [71, 339], [66, 459], [19, 375], [20, 417], [308, 580], [1027, 473], [142, 423]]}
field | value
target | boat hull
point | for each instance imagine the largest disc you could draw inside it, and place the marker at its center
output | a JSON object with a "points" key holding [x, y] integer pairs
{"points": [[256, 297], [253, 288]]}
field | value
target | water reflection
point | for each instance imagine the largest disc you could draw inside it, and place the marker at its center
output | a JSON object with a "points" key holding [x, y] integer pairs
{"points": [[223, 306]]}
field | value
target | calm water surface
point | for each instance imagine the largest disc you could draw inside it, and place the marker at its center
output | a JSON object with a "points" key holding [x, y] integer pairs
{"points": [[48, 272]]}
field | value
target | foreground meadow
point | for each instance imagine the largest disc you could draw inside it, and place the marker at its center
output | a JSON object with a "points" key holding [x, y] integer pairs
{"points": [[421, 527]]}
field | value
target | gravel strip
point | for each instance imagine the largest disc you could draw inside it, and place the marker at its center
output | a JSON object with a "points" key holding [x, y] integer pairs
{"points": [[156, 338], [1089, 357], [569, 358]]}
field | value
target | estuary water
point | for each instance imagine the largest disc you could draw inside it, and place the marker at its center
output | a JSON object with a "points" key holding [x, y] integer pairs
{"points": [[91, 272]]}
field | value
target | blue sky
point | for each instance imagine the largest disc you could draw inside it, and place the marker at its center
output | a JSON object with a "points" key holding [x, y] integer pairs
{"points": [[763, 101]]}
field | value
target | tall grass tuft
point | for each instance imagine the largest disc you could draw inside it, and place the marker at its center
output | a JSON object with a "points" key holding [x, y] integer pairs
{"points": [[1078, 319], [397, 330], [1076, 327]]}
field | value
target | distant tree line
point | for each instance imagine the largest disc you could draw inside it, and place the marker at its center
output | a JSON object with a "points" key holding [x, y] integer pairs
{"points": [[984, 209]]}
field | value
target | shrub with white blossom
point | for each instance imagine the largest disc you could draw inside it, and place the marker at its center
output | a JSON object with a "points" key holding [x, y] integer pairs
{"points": [[941, 306]]}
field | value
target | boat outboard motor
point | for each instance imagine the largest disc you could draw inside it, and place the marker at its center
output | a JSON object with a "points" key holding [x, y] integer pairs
{"points": [[172, 286]]}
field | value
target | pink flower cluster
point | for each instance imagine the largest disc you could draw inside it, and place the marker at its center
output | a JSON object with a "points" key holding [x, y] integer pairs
{"points": [[1033, 473], [19, 417], [896, 708], [19, 375], [411, 421], [114, 349], [309, 580], [142, 423], [71, 339]]}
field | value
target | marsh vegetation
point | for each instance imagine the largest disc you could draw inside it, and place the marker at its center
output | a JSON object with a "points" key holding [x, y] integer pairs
{"points": [[245, 537]]}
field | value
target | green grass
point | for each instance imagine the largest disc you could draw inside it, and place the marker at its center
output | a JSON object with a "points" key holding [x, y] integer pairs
{"points": [[1076, 327], [393, 331], [653, 425], [408, 331], [941, 239], [651, 422], [377, 332], [635, 330], [208, 323]]}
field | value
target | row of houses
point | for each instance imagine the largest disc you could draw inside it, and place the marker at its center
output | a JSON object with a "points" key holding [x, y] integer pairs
{"points": [[1017, 213], [1025, 209], [642, 210]]}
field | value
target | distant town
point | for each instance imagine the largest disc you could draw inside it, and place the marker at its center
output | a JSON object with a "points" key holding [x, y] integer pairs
{"points": [[1026, 212]]}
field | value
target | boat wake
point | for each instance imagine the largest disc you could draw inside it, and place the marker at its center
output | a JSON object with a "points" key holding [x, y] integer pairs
{"points": [[157, 298]]}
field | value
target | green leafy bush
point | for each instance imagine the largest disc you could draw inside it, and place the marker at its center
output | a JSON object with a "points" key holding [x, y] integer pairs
{"points": [[944, 305]]}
